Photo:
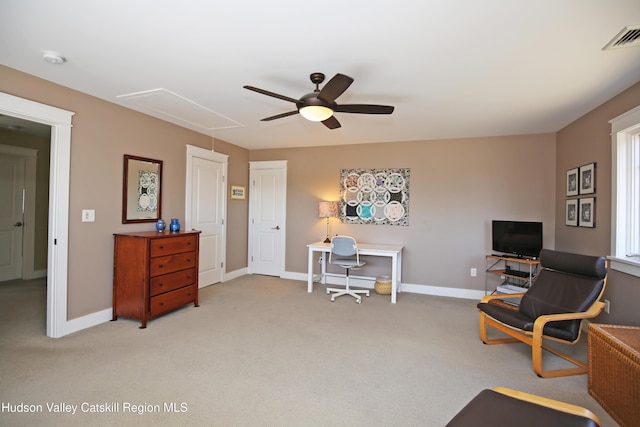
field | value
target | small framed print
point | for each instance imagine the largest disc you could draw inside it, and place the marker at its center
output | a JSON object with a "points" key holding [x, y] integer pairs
{"points": [[237, 192], [572, 182], [588, 179], [587, 212], [571, 213]]}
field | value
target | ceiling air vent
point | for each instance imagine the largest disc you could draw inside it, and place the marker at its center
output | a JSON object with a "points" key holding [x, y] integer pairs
{"points": [[628, 37]]}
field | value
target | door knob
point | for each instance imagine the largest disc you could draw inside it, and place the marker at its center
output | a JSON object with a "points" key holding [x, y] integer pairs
{"points": [[277, 227], [17, 224]]}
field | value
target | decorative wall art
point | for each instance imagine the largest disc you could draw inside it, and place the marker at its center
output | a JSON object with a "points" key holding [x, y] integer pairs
{"points": [[375, 196], [141, 189], [572, 182], [147, 190], [581, 211], [587, 212], [237, 192], [588, 179], [571, 213]]}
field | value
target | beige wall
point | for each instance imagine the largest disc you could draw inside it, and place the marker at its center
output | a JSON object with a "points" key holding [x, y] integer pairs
{"points": [[102, 133], [457, 187], [585, 141]]}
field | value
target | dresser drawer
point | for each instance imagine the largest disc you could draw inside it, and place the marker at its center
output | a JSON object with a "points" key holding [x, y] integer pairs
{"points": [[170, 263], [171, 281], [167, 246], [171, 300]]}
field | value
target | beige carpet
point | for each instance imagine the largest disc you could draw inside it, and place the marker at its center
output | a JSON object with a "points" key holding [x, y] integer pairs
{"points": [[261, 351]]}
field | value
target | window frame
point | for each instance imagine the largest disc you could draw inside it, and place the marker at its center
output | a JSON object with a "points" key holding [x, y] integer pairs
{"points": [[623, 129]]}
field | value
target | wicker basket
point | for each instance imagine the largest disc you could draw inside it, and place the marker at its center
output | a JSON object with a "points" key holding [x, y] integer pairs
{"points": [[614, 371], [383, 285]]}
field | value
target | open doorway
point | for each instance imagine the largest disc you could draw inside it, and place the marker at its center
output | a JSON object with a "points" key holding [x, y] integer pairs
{"points": [[24, 191], [24, 194], [59, 122]]}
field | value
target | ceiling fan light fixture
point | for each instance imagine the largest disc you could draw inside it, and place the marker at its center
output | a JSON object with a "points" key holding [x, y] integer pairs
{"points": [[316, 113]]}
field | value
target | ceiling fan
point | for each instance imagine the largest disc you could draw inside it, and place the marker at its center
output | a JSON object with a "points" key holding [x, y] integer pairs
{"points": [[320, 105]]}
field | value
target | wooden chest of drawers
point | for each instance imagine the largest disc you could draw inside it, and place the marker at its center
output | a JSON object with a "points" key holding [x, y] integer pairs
{"points": [[153, 273]]}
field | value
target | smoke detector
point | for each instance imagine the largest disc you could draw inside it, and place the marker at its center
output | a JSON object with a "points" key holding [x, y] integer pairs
{"points": [[629, 36], [53, 57]]}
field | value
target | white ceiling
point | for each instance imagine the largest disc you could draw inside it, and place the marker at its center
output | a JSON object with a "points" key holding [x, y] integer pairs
{"points": [[463, 68]]}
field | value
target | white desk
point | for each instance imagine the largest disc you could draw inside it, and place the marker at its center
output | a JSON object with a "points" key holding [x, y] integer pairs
{"points": [[392, 251]]}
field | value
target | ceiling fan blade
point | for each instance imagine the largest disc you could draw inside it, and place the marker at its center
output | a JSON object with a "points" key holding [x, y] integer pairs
{"points": [[365, 109], [275, 95], [335, 87], [331, 123], [279, 116]]}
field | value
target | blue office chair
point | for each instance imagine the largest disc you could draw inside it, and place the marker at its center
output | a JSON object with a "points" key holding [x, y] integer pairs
{"points": [[344, 252]]}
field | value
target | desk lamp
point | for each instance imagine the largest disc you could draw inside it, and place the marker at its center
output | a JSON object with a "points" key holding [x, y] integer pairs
{"points": [[328, 210]]}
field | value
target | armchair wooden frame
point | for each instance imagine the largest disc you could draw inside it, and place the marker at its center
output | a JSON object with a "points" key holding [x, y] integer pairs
{"points": [[549, 403], [535, 338]]}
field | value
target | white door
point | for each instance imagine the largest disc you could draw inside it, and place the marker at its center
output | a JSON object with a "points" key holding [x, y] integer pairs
{"points": [[267, 218], [12, 187], [206, 209]]}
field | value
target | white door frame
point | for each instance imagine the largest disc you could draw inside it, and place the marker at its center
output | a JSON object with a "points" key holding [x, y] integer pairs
{"points": [[269, 164], [58, 235], [193, 151], [28, 229]]}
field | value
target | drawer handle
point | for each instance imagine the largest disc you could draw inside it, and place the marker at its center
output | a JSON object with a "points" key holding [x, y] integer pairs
{"points": [[161, 304], [188, 259], [160, 284], [161, 247], [160, 266]]}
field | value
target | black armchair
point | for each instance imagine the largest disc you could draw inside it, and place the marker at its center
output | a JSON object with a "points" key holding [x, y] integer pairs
{"points": [[567, 290]]}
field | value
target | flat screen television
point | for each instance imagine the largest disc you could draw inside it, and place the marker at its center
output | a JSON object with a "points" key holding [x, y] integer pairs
{"points": [[520, 238]]}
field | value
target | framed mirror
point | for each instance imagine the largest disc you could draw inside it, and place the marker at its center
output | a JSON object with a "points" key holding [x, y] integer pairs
{"points": [[141, 189]]}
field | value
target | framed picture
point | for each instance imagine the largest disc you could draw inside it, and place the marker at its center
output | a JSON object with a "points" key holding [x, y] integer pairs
{"points": [[587, 212], [572, 182], [571, 213], [237, 192], [588, 179]]}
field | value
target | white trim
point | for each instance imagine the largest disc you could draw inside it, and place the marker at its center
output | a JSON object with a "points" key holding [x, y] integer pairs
{"points": [[230, 275], [90, 320], [369, 282], [60, 164], [621, 126], [268, 164]]}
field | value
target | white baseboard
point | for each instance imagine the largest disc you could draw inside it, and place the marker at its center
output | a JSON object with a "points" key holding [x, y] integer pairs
{"points": [[84, 322], [234, 274], [369, 283]]}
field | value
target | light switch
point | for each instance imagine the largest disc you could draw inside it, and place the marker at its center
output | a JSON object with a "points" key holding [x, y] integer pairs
{"points": [[88, 215]]}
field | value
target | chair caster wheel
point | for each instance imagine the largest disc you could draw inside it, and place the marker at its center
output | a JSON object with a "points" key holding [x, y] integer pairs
{"points": [[358, 301]]}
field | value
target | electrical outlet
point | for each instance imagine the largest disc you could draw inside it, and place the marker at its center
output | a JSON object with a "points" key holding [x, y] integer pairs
{"points": [[88, 215], [474, 272], [607, 306]]}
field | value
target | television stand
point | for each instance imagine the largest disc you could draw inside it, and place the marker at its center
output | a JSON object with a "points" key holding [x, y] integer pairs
{"points": [[509, 272]]}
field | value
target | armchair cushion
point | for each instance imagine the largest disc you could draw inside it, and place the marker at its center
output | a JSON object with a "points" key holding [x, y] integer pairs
{"points": [[492, 408], [565, 285]]}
